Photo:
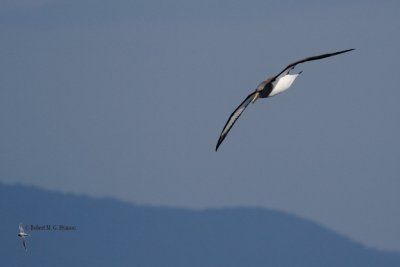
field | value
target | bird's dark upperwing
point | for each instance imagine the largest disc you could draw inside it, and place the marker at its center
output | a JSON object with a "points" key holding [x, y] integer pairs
{"points": [[234, 116], [291, 66]]}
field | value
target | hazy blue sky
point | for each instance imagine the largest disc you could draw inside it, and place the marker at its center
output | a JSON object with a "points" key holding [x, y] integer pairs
{"points": [[127, 99]]}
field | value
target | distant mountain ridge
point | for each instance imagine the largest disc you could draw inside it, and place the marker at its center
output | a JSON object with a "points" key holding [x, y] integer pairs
{"points": [[113, 233]]}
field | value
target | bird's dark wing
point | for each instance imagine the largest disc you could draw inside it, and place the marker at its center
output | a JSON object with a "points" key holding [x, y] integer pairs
{"points": [[24, 242], [291, 66], [234, 116]]}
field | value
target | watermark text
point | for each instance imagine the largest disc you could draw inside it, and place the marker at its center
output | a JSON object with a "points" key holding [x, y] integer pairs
{"points": [[51, 227]]}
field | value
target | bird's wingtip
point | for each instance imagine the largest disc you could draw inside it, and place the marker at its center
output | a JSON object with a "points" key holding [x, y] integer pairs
{"points": [[218, 144]]}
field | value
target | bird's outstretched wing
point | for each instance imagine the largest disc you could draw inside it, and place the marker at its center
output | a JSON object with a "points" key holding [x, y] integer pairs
{"points": [[291, 66], [23, 242], [234, 116], [21, 228]]}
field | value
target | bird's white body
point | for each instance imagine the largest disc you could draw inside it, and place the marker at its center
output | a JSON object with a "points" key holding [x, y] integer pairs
{"points": [[283, 84]]}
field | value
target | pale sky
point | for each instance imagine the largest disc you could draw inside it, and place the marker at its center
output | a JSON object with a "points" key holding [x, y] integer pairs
{"points": [[123, 99]]}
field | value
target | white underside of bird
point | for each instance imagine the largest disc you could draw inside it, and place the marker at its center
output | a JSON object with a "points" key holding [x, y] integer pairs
{"points": [[283, 84]]}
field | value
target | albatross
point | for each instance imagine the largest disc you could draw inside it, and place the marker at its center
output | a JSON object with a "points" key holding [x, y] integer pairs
{"points": [[22, 234], [270, 87]]}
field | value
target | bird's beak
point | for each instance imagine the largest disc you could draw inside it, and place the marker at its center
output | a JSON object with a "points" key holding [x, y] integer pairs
{"points": [[256, 96]]}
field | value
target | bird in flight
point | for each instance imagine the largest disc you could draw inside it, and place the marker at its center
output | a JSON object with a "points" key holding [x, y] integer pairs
{"points": [[268, 88], [22, 234]]}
